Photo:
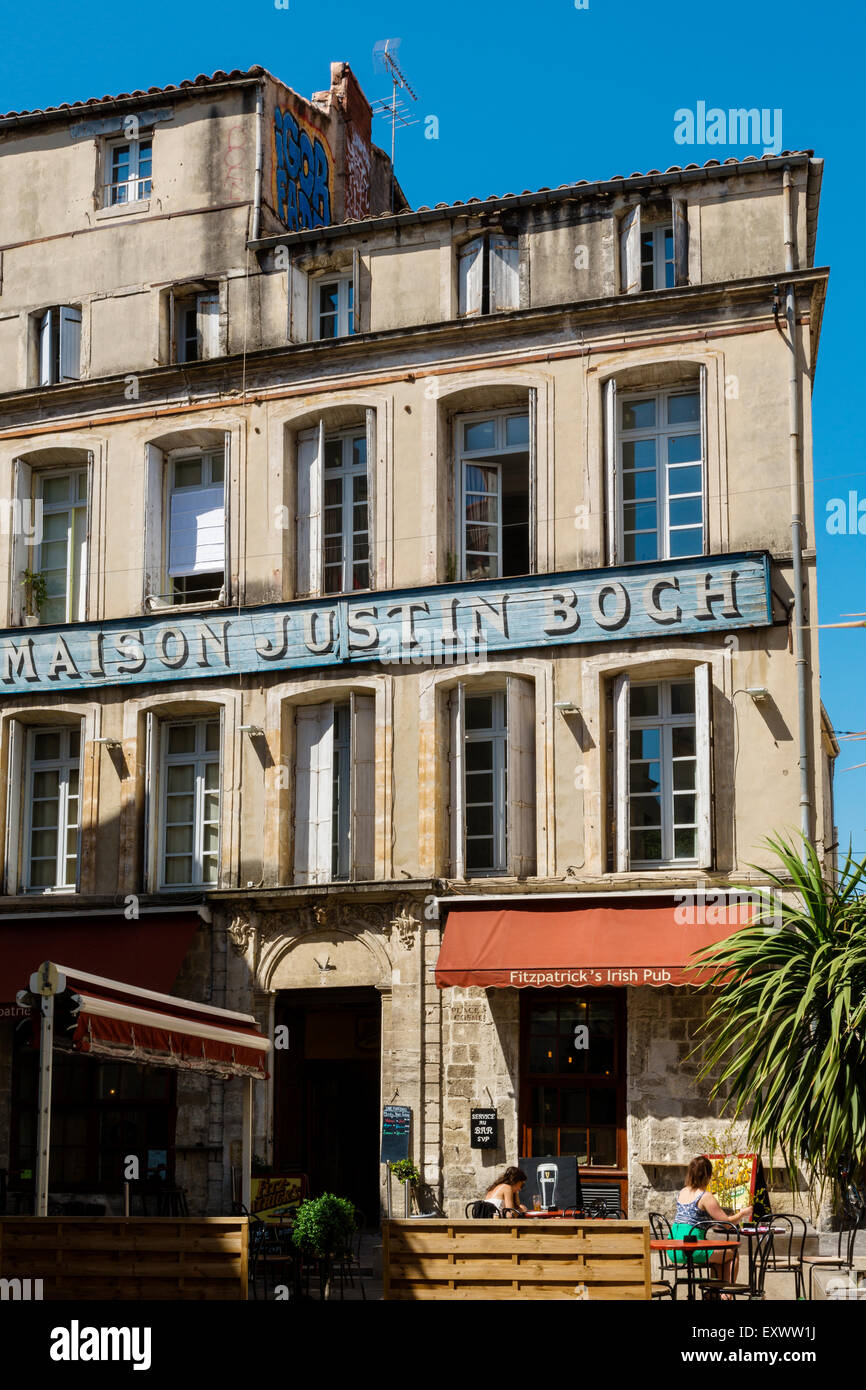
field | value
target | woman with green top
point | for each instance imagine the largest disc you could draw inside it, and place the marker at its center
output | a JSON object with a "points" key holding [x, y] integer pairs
{"points": [[696, 1207]]}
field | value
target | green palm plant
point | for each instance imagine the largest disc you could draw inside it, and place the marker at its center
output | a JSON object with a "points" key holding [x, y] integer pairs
{"points": [[786, 1024]]}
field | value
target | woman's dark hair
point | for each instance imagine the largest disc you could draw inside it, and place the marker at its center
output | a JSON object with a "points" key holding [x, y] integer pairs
{"points": [[700, 1172], [511, 1176]]}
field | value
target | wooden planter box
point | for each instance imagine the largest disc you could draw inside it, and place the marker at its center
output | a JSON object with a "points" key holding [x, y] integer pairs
{"points": [[520, 1259], [127, 1257]]}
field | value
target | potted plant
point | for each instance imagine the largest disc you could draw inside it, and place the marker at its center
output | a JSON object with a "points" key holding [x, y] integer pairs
{"points": [[35, 595], [323, 1231]]}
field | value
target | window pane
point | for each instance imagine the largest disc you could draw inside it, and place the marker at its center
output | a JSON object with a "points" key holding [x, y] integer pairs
{"points": [[543, 1018], [686, 512], [179, 810], [685, 844], [329, 298], [684, 480], [602, 1147], [334, 453], [685, 810], [542, 1055], [640, 545], [684, 774], [180, 779], [639, 453], [55, 490], [181, 738], [683, 409], [479, 787], [683, 697], [646, 844], [573, 1107], [645, 811], [639, 516], [46, 747], [645, 777], [637, 415], [479, 820], [178, 870], [178, 839], [602, 1107], [643, 701], [516, 430], [683, 448], [683, 742], [212, 736], [684, 543], [479, 712], [187, 473], [46, 784], [479, 435], [217, 468], [359, 453], [644, 743], [479, 755]]}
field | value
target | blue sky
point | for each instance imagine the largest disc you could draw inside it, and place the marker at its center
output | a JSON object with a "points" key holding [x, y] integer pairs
{"points": [[542, 94]]}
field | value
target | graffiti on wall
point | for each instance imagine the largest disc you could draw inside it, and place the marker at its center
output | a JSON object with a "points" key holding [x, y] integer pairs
{"points": [[302, 173], [357, 176]]}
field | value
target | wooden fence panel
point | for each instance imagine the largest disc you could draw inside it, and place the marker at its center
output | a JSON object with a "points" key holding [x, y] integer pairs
{"points": [[127, 1258], [434, 1258]]}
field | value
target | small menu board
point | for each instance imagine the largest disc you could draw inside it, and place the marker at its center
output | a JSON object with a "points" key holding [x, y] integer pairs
{"points": [[395, 1133], [483, 1129]]}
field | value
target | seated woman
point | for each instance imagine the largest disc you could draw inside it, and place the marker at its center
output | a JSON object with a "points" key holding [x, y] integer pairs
{"points": [[504, 1192], [696, 1207]]}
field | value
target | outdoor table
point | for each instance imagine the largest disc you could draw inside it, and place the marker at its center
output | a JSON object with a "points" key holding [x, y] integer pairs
{"points": [[540, 1215], [689, 1247]]}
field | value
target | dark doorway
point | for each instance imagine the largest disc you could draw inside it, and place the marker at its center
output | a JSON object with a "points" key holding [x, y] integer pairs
{"points": [[326, 1092]]}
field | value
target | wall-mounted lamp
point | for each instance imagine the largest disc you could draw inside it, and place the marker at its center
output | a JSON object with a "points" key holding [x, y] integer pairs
{"points": [[253, 730], [757, 692], [567, 707]]}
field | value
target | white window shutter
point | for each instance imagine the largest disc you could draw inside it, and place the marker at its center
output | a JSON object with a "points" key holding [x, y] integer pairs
{"points": [[620, 770], [680, 215], [299, 304], [154, 494], [150, 868], [196, 543], [356, 290], [84, 581], [227, 518], [372, 463], [458, 785], [705, 509], [504, 279], [612, 473], [630, 251], [208, 316], [520, 777], [311, 470], [23, 555], [533, 479], [470, 277], [703, 728], [363, 753], [70, 344], [314, 760], [14, 796], [45, 349]]}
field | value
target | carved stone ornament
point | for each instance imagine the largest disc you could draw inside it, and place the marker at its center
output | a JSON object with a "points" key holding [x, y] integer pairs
{"points": [[241, 934], [405, 926]]}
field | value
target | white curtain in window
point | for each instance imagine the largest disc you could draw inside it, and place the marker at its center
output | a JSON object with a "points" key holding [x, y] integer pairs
{"points": [[314, 768], [196, 531], [630, 251], [363, 754], [470, 277], [311, 469], [520, 822], [504, 283]]}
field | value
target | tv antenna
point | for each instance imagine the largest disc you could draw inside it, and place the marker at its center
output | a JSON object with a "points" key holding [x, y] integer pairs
{"points": [[385, 57]]}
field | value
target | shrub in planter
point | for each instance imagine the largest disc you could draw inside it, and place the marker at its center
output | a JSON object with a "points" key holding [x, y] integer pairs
{"points": [[324, 1226]]}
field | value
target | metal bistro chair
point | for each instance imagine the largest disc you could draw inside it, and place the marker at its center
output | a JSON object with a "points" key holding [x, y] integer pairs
{"points": [[841, 1261], [349, 1263], [787, 1254], [479, 1210], [754, 1289], [661, 1230]]}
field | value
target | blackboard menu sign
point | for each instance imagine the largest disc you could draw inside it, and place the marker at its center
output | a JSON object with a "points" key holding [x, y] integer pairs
{"points": [[483, 1129], [555, 1180], [395, 1133]]}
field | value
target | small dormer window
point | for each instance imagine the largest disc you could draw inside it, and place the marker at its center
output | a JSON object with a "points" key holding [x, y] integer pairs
{"points": [[128, 168], [487, 275]]}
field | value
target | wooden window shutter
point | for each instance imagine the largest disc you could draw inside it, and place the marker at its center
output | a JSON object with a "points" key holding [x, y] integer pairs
{"points": [[14, 797], [299, 303], [372, 467], [314, 760], [23, 556], [208, 316], [520, 776], [630, 251], [470, 277], [504, 274], [311, 469], [458, 786], [703, 739], [154, 497], [620, 769], [533, 480], [363, 754], [704, 461], [680, 215], [612, 473], [150, 836], [70, 344], [356, 290]]}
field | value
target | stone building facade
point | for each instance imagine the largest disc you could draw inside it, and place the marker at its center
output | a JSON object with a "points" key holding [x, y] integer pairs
{"points": [[388, 571]]}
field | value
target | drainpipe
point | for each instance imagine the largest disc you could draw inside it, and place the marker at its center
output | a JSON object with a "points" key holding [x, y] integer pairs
{"points": [[257, 193], [796, 513]]}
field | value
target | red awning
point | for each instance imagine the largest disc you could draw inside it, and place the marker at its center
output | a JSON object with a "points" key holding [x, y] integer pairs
{"points": [[147, 951], [116, 1020], [621, 941]]}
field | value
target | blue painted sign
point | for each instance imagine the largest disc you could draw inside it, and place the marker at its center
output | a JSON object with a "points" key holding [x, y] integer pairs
{"points": [[448, 624]]}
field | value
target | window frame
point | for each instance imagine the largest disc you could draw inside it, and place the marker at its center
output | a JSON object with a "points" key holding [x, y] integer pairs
{"points": [[200, 758], [484, 457], [347, 472], [64, 763], [135, 178], [346, 311], [343, 798], [41, 477], [57, 317], [487, 244], [665, 721], [192, 300], [496, 735], [617, 437], [174, 458], [659, 261]]}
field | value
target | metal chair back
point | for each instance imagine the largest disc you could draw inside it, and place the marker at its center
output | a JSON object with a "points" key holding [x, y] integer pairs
{"points": [[480, 1210]]}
